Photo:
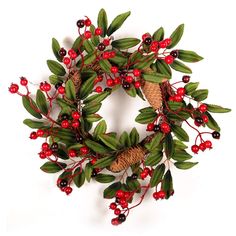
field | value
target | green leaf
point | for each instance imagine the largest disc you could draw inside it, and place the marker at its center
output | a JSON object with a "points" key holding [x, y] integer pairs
{"points": [[125, 43], [33, 124], [134, 137], [93, 118], [131, 91], [119, 59], [191, 87], [145, 118], [145, 62], [94, 39], [102, 21], [179, 145], [159, 34], [91, 108], [217, 109], [103, 178], [77, 44], [181, 67], [56, 68], [41, 102], [146, 109], [111, 142], [104, 162], [70, 90], [52, 167], [56, 48], [175, 105], [117, 23], [154, 142], [87, 87], [163, 68], [200, 94], [189, 56], [65, 175], [101, 128], [111, 190], [125, 140], [153, 158], [169, 145], [185, 165], [88, 171], [181, 155], [167, 184], [31, 106], [176, 36], [96, 147], [105, 65], [180, 133], [157, 175], [96, 97], [133, 184], [212, 124], [54, 79], [76, 146], [88, 46], [154, 77], [79, 177], [62, 154]]}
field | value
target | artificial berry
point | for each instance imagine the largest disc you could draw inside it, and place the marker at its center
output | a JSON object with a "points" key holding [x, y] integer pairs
{"points": [[199, 120], [143, 175], [134, 176], [71, 52], [73, 55], [174, 53], [87, 34], [72, 153], [14, 88], [65, 124], [101, 46], [144, 36], [216, 135], [126, 86], [62, 52], [78, 138], [106, 55], [120, 193], [167, 41], [178, 98], [161, 194], [127, 195], [169, 59], [195, 149], [68, 190], [106, 42], [41, 86], [63, 183], [203, 108], [117, 211], [54, 147], [46, 87], [33, 135], [113, 206], [122, 218], [75, 115], [162, 44], [129, 79], [122, 201], [61, 90], [147, 41], [110, 82], [155, 195], [186, 78], [58, 85], [66, 60], [80, 23], [108, 90], [202, 146], [45, 146], [181, 91], [87, 22], [94, 173], [123, 74], [156, 128], [137, 84], [172, 98], [84, 150], [65, 116], [136, 72], [23, 81], [205, 118], [146, 170], [197, 124], [208, 144], [98, 31], [40, 132], [117, 80], [124, 205], [75, 124], [150, 127], [115, 221], [114, 69], [112, 54], [42, 155], [165, 128], [98, 89], [48, 152], [93, 161]]}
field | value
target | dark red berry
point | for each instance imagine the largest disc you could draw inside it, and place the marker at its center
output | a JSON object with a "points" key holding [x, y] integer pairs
{"points": [[80, 23], [54, 147], [66, 60], [75, 124], [156, 128], [147, 41], [174, 53], [62, 52], [205, 118], [216, 135], [57, 85], [134, 176], [202, 146], [199, 120], [63, 183], [72, 153], [162, 44], [129, 79], [155, 195], [101, 46], [168, 41], [117, 211], [40, 133], [110, 82], [122, 218], [126, 85], [106, 42], [120, 193], [165, 128], [115, 221], [161, 194], [45, 146], [186, 78], [42, 155], [137, 84], [114, 69]]}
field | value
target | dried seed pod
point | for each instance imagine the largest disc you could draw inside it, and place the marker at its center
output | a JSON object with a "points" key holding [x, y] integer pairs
{"points": [[127, 158]]}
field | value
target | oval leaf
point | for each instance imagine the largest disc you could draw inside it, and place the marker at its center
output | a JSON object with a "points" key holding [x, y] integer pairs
{"points": [[103, 178], [55, 48], [145, 118], [52, 167], [217, 109], [125, 43], [176, 36], [102, 21], [181, 67], [157, 175], [110, 141], [79, 177], [56, 68], [185, 165], [159, 34], [41, 102], [31, 106], [189, 56], [180, 133], [110, 191]]}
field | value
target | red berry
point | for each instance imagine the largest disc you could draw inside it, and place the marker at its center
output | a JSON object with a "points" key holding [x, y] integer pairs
{"points": [[202, 146], [66, 60], [117, 80], [40, 132], [195, 149], [124, 205], [115, 221], [203, 108], [162, 44], [155, 195], [205, 118], [165, 128], [14, 88], [71, 52], [48, 152], [87, 22], [154, 43], [23, 81], [68, 190], [113, 206], [169, 59], [110, 82], [93, 161], [61, 90], [150, 127], [46, 87], [33, 135], [106, 42], [84, 150], [143, 175], [98, 89], [144, 36], [129, 79], [117, 211], [186, 78], [42, 155], [137, 84], [112, 54], [196, 123], [161, 194], [114, 69], [178, 98], [98, 31], [120, 193], [167, 41], [75, 115], [172, 98], [136, 72], [73, 55], [122, 201], [45, 146], [146, 170], [87, 34], [181, 91], [75, 124], [208, 144], [106, 55], [72, 153], [127, 195], [153, 48], [65, 124]]}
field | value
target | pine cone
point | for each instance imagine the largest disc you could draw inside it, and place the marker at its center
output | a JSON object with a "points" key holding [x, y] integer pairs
{"points": [[74, 75]]}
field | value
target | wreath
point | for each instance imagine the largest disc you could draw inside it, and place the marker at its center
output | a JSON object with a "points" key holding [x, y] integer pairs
{"points": [[66, 109]]}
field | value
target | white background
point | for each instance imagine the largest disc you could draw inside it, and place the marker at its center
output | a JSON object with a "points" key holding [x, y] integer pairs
{"points": [[204, 201]]}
